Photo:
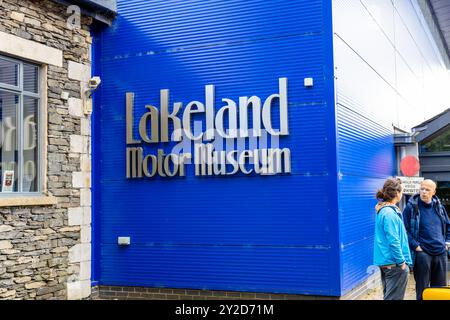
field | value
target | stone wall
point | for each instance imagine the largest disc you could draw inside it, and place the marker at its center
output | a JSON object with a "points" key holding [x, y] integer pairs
{"points": [[45, 250]]}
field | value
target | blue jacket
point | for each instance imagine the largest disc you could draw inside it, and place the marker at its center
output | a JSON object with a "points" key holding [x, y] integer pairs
{"points": [[391, 240], [411, 219]]}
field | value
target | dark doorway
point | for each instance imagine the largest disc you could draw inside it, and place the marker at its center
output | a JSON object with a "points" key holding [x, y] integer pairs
{"points": [[443, 193]]}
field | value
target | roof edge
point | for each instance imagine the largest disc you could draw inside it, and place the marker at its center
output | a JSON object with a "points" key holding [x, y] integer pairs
{"points": [[101, 10], [428, 12], [432, 126]]}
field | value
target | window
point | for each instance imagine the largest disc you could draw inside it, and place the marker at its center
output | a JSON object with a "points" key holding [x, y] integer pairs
{"points": [[440, 143], [19, 126]]}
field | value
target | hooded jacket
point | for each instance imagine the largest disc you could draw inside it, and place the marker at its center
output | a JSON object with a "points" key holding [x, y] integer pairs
{"points": [[411, 219], [391, 240]]}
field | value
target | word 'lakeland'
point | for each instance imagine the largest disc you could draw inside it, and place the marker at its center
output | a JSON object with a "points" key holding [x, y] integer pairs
{"points": [[207, 161], [214, 122]]}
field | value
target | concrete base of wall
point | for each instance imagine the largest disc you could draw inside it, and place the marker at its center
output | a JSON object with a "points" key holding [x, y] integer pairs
{"points": [[142, 293], [145, 293], [95, 294]]}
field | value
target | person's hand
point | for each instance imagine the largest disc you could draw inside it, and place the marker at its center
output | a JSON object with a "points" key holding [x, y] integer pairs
{"points": [[447, 245], [419, 249], [403, 266]]}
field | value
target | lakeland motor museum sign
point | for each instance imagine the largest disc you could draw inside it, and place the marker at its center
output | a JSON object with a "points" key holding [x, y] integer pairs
{"points": [[209, 158]]}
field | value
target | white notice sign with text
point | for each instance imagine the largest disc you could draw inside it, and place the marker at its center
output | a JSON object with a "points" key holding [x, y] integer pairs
{"points": [[411, 185]]}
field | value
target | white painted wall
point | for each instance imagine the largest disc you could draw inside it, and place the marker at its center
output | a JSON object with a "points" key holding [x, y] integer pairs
{"points": [[387, 65]]}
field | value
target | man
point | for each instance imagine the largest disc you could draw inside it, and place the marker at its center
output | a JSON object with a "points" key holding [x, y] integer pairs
{"points": [[428, 228]]}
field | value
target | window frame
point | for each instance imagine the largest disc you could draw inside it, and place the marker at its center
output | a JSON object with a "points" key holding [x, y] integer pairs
{"points": [[20, 91], [439, 134]]}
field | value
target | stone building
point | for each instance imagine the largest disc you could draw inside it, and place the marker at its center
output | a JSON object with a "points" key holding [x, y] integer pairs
{"points": [[45, 200]]}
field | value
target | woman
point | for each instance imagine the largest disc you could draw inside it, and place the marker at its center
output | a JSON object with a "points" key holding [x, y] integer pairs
{"points": [[391, 250]]}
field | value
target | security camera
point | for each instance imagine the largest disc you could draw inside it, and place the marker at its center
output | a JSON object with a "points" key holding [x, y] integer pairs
{"points": [[92, 85], [94, 82]]}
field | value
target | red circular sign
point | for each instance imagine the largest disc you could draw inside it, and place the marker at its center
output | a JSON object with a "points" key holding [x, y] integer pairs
{"points": [[410, 166]]}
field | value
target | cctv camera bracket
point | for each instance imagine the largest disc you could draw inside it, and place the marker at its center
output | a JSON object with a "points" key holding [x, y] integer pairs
{"points": [[87, 100], [87, 89], [88, 106]]}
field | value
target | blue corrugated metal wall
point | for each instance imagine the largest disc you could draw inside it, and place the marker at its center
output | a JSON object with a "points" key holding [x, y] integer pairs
{"points": [[381, 83], [249, 233], [366, 158]]}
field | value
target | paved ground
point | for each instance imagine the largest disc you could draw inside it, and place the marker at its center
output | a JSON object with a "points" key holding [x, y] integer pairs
{"points": [[377, 293]]}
